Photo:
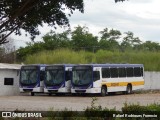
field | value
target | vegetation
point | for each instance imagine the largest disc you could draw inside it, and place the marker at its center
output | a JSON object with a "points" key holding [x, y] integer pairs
{"points": [[149, 59], [29, 14], [94, 112], [81, 46], [7, 52], [98, 112]]}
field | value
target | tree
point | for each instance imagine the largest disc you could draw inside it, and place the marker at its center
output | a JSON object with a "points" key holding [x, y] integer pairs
{"points": [[130, 42], [109, 39], [82, 39], [151, 46], [54, 40], [7, 52], [51, 41], [29, 14], [10, 46]]}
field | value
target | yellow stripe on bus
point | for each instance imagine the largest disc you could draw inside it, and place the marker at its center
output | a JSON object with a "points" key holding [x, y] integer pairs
{"points": [[115, 84]]}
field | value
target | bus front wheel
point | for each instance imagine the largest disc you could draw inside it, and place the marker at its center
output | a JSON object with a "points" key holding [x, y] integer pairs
{"points": [[103, 91]]}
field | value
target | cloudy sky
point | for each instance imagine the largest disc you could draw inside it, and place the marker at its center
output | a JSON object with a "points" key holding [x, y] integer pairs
{"points": [[142, 17]]}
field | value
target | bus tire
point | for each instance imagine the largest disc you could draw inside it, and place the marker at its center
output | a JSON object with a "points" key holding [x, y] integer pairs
{"points": [[32, 93], [129, 89], [103, 91], [50, 94]]}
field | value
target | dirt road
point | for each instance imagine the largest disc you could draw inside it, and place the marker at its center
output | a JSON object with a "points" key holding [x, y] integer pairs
{"points": [[79, 103]]}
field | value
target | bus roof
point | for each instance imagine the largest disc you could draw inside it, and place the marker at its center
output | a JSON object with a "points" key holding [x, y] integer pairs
{"points": [[40, 65], [65, 65], [111, 65]]}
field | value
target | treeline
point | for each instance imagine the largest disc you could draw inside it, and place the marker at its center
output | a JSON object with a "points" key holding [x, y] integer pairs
{"points": [[81, 39]]}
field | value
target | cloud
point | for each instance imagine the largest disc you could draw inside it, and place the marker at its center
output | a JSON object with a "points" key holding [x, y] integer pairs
{"points": [[144, 22], [142, 17]]}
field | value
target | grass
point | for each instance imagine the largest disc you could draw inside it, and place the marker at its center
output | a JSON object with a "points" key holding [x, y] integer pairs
{"points": [[151, 60]]}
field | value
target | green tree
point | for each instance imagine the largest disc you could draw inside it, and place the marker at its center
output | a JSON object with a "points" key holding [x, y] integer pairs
{"points": [[151, 46], [29, 14], [31, 48], [54, 40], [50, 41], [82, 39], [130, 42], [109, 39]]}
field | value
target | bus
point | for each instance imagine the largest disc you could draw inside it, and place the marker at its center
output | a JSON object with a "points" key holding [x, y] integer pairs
{"points": [[32, 78], [58, 79], [107, 78]]}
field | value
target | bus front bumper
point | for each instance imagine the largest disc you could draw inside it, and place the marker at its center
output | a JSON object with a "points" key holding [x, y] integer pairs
{"points": [[90, 90], [37, 89], [60, 90]]}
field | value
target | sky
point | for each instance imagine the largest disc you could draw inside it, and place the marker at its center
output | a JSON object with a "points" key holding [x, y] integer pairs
{"points": [[142, 17]]}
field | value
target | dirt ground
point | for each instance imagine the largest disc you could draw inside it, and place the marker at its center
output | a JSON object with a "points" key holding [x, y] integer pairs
{"points": [[78, 103]]}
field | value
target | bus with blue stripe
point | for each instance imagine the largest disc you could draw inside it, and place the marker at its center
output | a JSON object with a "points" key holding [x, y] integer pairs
{"points": [[32, 78], [58, 79], [106, 78]]}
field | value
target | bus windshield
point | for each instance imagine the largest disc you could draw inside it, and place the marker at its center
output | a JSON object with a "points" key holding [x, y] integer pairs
{"points": [[29, 75], [54, 77], [82, 77]]}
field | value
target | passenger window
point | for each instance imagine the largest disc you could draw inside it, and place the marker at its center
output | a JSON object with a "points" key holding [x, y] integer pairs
{"points": [[122, 72], [106, 73], [114, 72], [129, 72], [96, 75], [137, 71]]}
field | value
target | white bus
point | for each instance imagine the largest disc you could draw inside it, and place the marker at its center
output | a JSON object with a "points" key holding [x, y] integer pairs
{"points": [[32, 78], [58, 79], [105, 78]]}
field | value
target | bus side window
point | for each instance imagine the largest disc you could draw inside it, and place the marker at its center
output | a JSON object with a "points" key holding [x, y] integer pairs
{"points": [[96, 75], [114, 72], [129, 72], [122, 72], [106, 73], [68, 75], [137, 72], [42, 74]]}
